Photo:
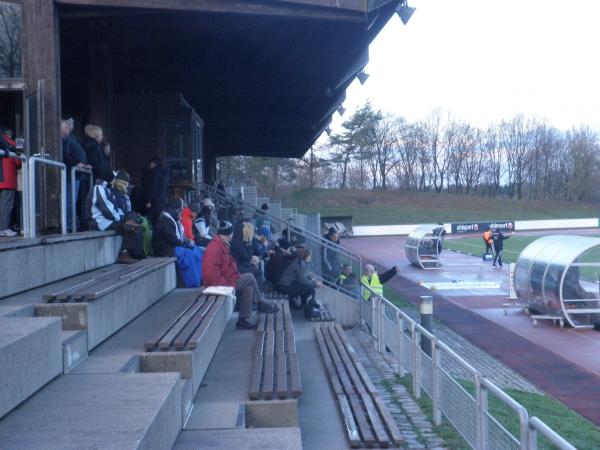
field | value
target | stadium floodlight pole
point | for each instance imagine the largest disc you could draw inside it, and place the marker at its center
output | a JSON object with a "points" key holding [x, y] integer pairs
{"points": [[404, 11]]}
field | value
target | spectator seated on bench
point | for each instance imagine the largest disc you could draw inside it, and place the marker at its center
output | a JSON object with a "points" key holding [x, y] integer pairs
{"points": [[242, 251], [168, 239], [202, 222], [220, 269], [295, 282], [110, 209]]}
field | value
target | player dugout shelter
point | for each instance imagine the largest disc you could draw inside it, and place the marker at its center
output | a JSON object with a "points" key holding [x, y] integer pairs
{"points": [[556, 277], [185, 80]]}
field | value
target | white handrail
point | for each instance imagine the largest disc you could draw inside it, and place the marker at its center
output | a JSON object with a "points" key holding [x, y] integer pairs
{"points": [[33, 161], [25, 217], [74, 193], [529, 426]]}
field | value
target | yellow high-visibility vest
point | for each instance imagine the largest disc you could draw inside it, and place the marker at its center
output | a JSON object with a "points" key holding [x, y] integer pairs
{"points": [[375, 285]]}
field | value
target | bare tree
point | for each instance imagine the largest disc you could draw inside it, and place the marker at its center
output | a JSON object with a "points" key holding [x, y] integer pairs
{"points": [[10, 40]]}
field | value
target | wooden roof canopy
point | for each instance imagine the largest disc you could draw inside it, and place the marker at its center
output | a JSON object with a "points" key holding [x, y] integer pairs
{"points": [[265, 76]]}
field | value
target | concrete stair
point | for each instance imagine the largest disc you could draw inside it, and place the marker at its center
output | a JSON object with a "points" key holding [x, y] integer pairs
{"points": [[53, 258], [247, 439], [98, 411]]}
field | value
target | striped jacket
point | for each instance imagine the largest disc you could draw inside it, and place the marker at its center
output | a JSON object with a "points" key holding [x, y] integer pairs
{"points": [[103, 207]]}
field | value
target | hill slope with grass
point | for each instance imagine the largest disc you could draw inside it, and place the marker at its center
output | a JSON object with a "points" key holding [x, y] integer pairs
{"points": [[398, 207]]}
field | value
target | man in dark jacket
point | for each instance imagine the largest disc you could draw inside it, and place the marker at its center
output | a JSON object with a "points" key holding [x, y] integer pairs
{"points": [[219, 269], [96, 153], [154, 185], [330, 260], [73, 156], [499, 239], [168, 232]]}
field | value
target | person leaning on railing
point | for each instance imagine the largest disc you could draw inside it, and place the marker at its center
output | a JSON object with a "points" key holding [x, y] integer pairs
{"points": [[375, 281]]}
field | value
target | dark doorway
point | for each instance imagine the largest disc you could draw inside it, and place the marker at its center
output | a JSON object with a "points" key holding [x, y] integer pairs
{"points": [[11, 112]]}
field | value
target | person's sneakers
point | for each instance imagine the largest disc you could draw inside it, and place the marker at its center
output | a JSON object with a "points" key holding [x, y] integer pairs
{"points": [[266, 308], [244, 324], [312, 313], [8, 233], [125, 258]]}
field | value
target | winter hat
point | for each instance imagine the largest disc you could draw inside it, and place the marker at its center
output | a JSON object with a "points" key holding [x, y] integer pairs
{"points": [[208, 203], [122, 175], [331, 231], [225, 228], [196, 207], [264, 231]]}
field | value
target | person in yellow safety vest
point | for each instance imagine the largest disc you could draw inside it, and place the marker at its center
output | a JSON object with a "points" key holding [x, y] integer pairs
{"points": [[346, 270], [375, 281]]}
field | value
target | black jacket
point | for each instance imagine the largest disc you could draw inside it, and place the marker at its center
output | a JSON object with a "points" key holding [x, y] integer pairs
{"points": [[241, 252], [165, 236], [97, 159], [499, 239], [296, 273], [154, 185], [72, 152]]}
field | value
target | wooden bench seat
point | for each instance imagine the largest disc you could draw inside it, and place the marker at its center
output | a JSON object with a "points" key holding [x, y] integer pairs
{"points": [[275, 372], [108, 280], [185, 331], [367, 419]]}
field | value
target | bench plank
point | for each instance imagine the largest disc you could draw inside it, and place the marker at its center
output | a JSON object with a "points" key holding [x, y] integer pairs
{"points": [[195, 338], [254, 391], [196, 316], [295, 384], [267, 389], [378, 428], [282, 388], [333, 378], [351, 428], [361, 420], [388, 420], [167, 339], [153, 342]]}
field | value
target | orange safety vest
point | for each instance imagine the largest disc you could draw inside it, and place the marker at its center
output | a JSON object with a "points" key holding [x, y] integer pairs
{"points": [[487, 236]]}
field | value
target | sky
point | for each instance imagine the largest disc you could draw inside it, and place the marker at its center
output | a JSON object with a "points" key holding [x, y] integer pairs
{"points": [[487, 60]]}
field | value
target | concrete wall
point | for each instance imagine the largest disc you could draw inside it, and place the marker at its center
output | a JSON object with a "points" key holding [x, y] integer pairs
{"points": [[47, 263]]}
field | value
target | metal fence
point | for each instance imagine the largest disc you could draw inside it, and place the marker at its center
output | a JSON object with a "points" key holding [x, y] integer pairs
{"points": [[457, 390]]}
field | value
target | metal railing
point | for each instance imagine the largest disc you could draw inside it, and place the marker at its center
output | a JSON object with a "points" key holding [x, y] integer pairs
{"points": [[75, 193], [25, 215], [457, 390], [33, 161]]}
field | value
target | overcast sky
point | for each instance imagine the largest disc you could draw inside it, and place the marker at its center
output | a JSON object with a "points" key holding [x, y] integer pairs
{"points": [[485, 60]]}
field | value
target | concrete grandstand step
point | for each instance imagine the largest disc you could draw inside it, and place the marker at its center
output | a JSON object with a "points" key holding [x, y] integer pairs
{"points": [[30, 356], [53, 258], [98, 411], [109, 313], [227, 439]]}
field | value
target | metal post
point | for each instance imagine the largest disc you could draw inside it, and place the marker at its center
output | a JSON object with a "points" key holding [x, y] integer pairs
{"points": [[400, 344], [63, 192], [73, 201], [374, 317], [381, 323], [481, 404], [426, 322], [415, 361], [63, 201], [532, 438], [435, 381], [25, 220]]}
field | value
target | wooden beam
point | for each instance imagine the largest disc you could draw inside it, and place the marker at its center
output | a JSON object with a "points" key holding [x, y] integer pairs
{"points": [[280, 8]]}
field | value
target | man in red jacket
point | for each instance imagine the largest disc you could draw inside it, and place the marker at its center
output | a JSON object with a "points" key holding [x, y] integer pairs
{"points": [[8, 184], [219, 269]]}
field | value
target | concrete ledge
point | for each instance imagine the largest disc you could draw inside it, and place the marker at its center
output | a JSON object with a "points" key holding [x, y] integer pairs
{"points": [[345, 309], [98, 411], [58, 259], [105, 316], [272, 414], [192, 365], [30, 356]]}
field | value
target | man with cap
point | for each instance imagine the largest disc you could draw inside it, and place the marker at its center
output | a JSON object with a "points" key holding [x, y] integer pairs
{"points": [[219, 269], [108, 210]]}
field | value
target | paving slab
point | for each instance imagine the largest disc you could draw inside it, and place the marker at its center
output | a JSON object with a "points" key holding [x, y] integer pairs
{"points": [[107, 411]]}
